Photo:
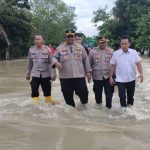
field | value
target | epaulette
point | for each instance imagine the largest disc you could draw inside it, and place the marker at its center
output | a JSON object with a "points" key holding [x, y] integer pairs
{"points": [[62, 47], [109, 49], [32, 47], [95, 49]]}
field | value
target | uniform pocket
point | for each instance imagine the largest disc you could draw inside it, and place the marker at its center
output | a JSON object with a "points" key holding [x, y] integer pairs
{"points": [[78, 55], [97, 59], [33, 57], [45, 57], [64, 57], [107, 59]]}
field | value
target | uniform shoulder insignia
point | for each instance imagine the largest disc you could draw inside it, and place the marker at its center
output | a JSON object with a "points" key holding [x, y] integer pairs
{"points": [[32, 47], [46, 49], [62, 47], [109, 49], [95, 48]]}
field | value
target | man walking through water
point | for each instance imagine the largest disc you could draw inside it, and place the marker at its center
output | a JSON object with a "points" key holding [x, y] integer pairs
{"points": [[100, 62], [73, 65], [38, 66], [124, 61]]}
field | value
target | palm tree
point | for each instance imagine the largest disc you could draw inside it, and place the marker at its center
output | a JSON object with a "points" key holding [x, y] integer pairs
{"points": [[12, 14], [4, 34]]}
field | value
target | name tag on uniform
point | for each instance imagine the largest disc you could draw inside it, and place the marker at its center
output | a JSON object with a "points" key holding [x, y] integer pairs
{"points": [[44, 55], [33, 55], [65, 53]]}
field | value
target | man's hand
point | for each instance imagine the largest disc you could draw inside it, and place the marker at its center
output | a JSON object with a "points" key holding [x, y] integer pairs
{"points": [[140, 69], [53, 78], [111, 81], [58, 66], [141, 77], [28, 76], [89, 77]]}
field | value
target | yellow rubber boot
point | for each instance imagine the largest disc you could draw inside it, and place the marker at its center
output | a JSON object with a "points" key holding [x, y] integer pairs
{"points": [[36, 100], [49, 100]]}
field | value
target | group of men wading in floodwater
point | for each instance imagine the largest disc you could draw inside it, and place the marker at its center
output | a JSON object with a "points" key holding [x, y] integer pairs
{"points": [[75, 64]]}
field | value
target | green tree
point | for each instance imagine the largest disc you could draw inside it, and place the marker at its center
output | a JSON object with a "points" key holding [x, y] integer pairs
{"points": [[15, 28], [143, 33], [126, 11], [52, 18], [101, 15], [122, 20]]}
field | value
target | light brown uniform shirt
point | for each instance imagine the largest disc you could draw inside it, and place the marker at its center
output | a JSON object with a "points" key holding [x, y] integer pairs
{"points": [[39, 62], [100, 62], [74, 60]]}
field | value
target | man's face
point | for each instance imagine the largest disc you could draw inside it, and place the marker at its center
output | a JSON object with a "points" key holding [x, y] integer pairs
{"points": [[125, 44], [38, 40], [78, 39], [70, 40], [102, 44]]}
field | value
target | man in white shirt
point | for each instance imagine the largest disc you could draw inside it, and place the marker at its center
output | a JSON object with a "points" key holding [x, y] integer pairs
{"points": [[123, 63]]}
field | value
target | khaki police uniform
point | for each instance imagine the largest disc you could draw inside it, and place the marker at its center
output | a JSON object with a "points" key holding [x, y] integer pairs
{"points": [[39, 65], [75, 66], [100, 63]]}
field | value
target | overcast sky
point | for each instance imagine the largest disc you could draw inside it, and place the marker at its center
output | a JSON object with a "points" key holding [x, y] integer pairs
{"points": [[84, 12]]}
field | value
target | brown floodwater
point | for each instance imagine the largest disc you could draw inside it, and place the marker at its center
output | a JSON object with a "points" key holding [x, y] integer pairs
{"points": [[26, 127]]}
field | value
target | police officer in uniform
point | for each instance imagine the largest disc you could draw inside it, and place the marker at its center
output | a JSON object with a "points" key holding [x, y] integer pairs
{"points": [[73, 65], [39, 67], [100, 62]]}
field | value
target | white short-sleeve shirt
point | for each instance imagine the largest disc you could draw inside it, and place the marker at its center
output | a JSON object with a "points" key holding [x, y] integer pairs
{"points": [[125, 64]]}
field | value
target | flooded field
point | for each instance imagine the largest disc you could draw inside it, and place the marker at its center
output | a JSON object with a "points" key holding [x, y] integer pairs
{"points": [[25, 127]]}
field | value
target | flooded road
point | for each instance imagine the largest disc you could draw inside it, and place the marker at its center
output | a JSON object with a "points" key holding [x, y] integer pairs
{"points": [[24, 127]]}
